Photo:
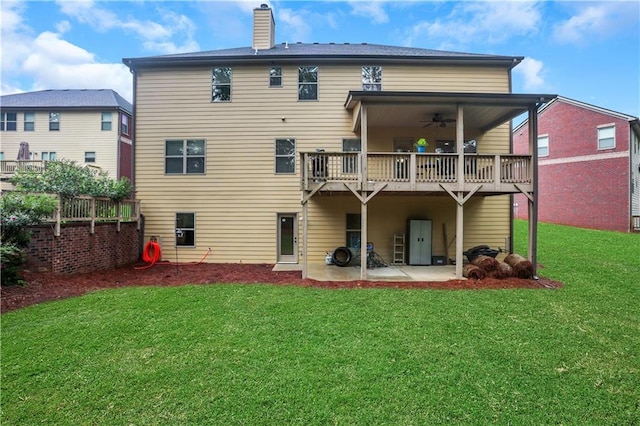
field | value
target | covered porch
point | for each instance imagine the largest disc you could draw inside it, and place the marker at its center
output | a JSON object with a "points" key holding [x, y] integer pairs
{"points": [[491, 170]]}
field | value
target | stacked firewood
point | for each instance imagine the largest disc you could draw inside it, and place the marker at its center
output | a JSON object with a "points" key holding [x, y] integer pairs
{"points": [[513, 265]]}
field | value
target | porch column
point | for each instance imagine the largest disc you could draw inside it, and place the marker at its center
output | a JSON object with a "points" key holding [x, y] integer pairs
{"points": [[533, 203], [363, 209], [460, 194]]}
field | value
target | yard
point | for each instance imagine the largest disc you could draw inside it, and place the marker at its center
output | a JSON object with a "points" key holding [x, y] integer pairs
{"points": [[284, 354]]}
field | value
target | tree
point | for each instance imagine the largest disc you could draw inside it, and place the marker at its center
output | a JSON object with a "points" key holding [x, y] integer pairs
{"points": [[68, 179]]}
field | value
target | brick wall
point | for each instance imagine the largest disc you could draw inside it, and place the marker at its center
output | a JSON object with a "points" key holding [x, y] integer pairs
{"points": [[588, 194], [77, 251]]}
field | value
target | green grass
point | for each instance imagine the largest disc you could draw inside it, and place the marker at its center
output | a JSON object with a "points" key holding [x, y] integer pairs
{"points": [[275, 355]]}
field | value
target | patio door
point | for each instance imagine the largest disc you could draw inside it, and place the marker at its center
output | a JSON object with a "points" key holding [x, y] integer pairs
{"points": [[287, 238]]}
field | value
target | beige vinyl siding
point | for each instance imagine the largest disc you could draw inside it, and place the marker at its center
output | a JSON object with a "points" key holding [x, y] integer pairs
{"points": [[80, 131], [237, 200]]}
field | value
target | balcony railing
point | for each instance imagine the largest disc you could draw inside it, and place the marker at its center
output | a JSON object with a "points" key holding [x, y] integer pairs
{"points": [[10, 167], [417, 172]]}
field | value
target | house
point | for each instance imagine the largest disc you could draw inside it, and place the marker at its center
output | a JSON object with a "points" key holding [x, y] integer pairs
{"points": [[280, 153], [92, 127], [588, 167]]}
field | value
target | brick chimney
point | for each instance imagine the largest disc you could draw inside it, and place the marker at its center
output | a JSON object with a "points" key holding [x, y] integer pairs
{"points": [[264, 28]]}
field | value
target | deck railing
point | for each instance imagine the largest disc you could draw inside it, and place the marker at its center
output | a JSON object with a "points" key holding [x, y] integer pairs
{"points": [[94, 210], [399, 167]]}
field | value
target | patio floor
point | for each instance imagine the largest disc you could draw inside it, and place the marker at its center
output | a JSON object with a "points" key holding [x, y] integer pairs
{"points": [[324, 272]]}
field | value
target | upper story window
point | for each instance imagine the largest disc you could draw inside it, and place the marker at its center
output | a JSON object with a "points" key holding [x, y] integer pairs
{"points": [[54, 121], [48, 156], [1, 155], [372, 78], [9, 122], [89, 156], [106, 121], [186, 229], [307, 83], [124, 125], [275, 77], [607, 136], [29, 121], [221, 84], [184, 156], [286, 156], [543, 146]]}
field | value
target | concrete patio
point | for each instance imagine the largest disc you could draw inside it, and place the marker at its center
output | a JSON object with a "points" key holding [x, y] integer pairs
{"points": [[324, 272]]}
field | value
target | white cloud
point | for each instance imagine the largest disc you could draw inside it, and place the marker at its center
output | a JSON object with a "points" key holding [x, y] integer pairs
{"points": [[531, 71], [470, 22], [47, 61], [156, 37], [596, 21], [370, 9], [295, 25]]}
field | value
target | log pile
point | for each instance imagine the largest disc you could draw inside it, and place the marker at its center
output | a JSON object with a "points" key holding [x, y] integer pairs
{"points": [[513, 265], [522, 268], [474, 272]]}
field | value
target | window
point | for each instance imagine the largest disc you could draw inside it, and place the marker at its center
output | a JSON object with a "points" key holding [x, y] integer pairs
{"points": [[184, 156], [48, 156], [543, 146], [275, 77], [285, 156], [54, 121], [372, 78], [29, 121], [9, 122], [1, 155], [221, 85], [607, 137], [106, 121], [307, 83], [353, 230], [124, 129], [350, 163], [185, 229], [89, 156]]}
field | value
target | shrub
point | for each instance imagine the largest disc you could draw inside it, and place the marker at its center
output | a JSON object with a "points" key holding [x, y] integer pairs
{"points": [[18, 211]]}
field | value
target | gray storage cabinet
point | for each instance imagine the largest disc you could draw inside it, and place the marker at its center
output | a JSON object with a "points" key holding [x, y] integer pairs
{"points": [[419, 239]]}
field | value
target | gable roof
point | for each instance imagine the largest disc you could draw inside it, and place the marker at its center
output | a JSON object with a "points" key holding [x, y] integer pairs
{"points": [[630, 118], [67, 99], [325, 53]]}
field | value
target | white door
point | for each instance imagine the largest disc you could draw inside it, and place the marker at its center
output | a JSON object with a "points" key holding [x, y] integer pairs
{"points": [[287, 238]]}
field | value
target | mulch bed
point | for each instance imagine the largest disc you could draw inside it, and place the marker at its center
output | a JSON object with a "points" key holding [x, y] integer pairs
{"points": [[42, 287]]}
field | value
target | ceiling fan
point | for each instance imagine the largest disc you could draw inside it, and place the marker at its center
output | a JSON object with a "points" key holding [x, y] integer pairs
{"points": [[440, 120]]}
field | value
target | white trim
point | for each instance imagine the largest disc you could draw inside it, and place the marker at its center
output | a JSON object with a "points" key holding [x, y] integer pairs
{"points": [[595, 157]]}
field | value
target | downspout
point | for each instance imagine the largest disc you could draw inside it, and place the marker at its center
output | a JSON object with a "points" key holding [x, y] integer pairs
{"points": [[133, 129]]}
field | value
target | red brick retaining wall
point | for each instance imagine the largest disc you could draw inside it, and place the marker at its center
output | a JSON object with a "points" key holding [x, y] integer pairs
{"points": [[76, 250]]}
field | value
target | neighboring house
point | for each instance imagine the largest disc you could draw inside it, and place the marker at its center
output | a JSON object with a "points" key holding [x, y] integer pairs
{"points": [[92, 127], [588, 166], [279, 153]]}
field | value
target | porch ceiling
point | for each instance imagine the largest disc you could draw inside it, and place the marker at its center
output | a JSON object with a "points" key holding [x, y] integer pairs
{"points": [[482, 111]]}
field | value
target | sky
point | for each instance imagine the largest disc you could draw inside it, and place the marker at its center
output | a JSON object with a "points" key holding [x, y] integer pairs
{"points": [[584, 50]]}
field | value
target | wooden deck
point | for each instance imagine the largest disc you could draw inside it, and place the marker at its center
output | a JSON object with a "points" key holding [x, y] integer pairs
{"points": [[413, 172]]}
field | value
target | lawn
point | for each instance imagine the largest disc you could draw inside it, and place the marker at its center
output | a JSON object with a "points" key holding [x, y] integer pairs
{"points": [[274, 355]]}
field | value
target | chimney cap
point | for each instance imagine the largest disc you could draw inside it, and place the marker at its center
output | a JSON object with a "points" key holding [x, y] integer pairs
{"points": [[264, 6]]}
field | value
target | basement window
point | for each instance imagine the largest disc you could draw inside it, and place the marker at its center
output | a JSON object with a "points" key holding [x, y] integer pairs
{"points": [[185, 229]]}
